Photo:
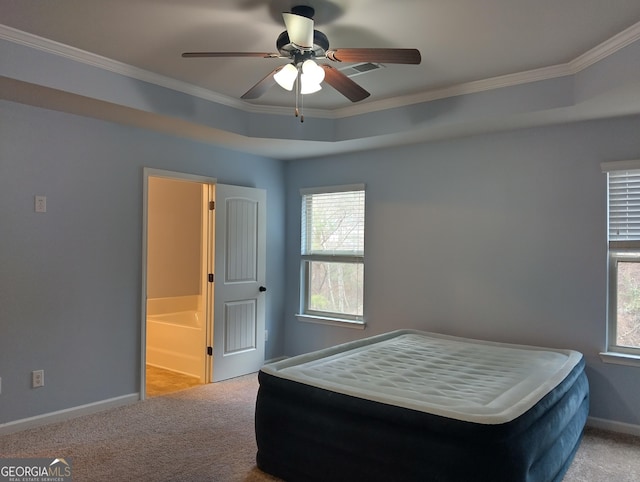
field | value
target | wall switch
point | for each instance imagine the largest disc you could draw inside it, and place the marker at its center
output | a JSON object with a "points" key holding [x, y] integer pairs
{"points": [[0, 384], [37, 378], [41, 204], [266, 335]]}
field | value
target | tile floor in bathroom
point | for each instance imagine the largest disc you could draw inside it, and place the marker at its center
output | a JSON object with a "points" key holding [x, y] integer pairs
{"points": [[160, 381]]}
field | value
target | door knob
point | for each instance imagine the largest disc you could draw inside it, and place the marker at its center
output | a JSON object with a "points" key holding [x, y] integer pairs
{"points": [[262, 289]]}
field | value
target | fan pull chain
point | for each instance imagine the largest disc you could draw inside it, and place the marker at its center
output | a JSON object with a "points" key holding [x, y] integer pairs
{"points": [[297, 90], [298, 112], [301, 108]]}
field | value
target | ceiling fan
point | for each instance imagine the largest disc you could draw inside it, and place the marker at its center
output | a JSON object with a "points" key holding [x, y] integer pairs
{"points": [[301, 44]]}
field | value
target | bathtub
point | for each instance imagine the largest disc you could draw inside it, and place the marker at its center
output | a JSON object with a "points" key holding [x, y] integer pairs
{"points": [[190, 318], [176, 341]]}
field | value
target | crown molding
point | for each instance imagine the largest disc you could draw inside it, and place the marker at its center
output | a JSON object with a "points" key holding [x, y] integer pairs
{"points": [[82, 56], [600, 52], [56, 48], [473, 87], [277, 110], [605, 49]]}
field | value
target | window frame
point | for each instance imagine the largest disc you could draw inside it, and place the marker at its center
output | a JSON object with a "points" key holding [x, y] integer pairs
{"points": [[627, 250], [319, 316], [616, 256]]}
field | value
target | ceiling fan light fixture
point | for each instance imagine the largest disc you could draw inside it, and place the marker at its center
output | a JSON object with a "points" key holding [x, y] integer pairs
{"points": [[286, 76], [301, 43]]}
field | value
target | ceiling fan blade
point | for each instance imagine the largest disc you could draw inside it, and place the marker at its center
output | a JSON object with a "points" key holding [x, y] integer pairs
{"points": [[382, 56], [266, 55], [262, 86], [300, 29], [344, 84]]}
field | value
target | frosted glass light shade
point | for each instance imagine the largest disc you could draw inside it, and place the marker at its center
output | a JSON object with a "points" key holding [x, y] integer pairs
{"points": [[308, 86], [286, 77], [312, 71]]}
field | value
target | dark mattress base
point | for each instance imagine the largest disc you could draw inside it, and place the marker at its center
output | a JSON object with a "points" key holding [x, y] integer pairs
{"points": [[306, 433]]}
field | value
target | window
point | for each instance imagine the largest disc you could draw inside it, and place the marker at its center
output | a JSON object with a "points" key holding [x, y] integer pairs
{"points": [[332, 249], [624, 257]]}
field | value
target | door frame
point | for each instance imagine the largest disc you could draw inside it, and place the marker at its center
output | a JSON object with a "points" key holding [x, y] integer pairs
{"points": [[177, 176]]}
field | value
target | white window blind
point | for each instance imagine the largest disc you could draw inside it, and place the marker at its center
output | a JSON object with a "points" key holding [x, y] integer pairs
{"points": [[333, 223], [624, 208]]}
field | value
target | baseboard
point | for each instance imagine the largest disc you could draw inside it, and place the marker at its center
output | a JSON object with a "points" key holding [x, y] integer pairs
{"points": [[66, 414], [613, 426]]}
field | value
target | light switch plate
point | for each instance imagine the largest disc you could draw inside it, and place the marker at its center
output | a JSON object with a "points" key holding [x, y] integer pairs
{"points": [[41, 204]]}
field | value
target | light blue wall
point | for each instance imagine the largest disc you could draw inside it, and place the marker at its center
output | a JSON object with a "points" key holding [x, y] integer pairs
{"points": [[70, 278], [499, 237]]}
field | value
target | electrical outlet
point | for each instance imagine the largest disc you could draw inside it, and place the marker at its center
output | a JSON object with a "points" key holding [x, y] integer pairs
{"points": [[37, 378], [41, 204]]}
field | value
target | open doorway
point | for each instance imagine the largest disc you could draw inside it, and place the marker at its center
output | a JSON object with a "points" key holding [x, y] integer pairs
{"points": [[229, 227], [178, 257]]}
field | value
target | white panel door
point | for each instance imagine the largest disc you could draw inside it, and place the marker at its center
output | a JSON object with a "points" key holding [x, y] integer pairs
{"points": [[239, 287]]}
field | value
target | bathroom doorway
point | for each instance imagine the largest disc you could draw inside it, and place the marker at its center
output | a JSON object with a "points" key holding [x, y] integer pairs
{"points": [[192, 225], [177, 255]]}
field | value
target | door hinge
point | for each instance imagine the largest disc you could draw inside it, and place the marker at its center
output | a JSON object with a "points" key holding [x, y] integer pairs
{"points": [[212, 205], [211, 277], [210, 350]]}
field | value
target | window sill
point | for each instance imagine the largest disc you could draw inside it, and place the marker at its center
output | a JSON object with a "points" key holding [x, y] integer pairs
{"points": [[620, 358], [323, 320]]}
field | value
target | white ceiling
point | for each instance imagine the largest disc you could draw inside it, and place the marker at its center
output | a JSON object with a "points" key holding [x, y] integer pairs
{"points": [[461, 41]]}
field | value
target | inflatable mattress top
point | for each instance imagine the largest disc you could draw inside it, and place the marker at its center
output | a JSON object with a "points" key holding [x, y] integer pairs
{"points": [[471, 380]]}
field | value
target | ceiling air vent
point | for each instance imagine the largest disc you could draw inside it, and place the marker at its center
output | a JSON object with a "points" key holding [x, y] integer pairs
{"points": [[359, 69]]}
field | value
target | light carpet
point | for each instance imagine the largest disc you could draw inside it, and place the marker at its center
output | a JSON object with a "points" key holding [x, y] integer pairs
{"points": [[206, 433]]}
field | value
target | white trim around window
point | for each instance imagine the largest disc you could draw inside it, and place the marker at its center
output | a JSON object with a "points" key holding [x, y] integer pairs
{"points": [[623, 219], [332, 255]]}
